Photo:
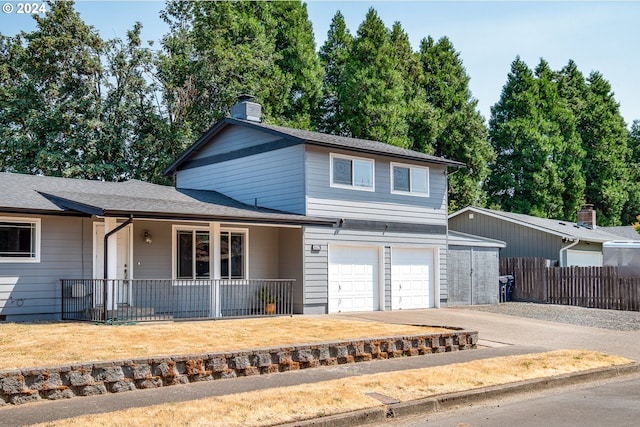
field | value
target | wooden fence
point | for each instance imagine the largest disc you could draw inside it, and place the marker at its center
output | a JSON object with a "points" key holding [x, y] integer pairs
{"points": [[595, 287]]}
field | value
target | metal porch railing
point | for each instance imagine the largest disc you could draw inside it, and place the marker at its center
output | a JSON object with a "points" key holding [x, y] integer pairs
{"points": [[138, 300]]}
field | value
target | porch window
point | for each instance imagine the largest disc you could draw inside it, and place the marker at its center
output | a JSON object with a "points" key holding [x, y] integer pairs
{"points": [[193, 250], [233, 254], [19, 240]]}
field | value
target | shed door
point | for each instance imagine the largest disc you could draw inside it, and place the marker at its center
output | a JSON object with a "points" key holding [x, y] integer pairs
{"points": [[353, 278], [412, 278]]}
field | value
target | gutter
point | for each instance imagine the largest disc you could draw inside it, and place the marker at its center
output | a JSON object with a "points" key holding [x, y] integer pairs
{"points": [[564, 250], [106, 261]]}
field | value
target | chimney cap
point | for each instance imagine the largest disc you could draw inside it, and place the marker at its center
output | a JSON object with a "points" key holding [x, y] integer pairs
{"points": [[245, 97], [245, 109]]}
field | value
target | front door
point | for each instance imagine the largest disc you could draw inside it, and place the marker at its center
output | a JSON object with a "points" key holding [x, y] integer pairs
{"points": [[123, 271]]}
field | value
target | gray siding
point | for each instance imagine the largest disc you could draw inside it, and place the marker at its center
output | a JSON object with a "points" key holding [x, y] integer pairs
{"points": [[290, 251], [381, 205], [31, 291], [316, 263], [152, 261], [234, 138], [521, 241], [275, 179]]}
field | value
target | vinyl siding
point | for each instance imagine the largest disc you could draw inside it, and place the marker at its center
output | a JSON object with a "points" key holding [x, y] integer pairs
{"points": [[30, 291], [274, 179], [379, 205], [316, 264], [234, 138], [521, 241]]}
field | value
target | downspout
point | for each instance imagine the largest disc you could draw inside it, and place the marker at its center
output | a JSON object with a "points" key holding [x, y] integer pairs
{"points": [[563, 251], [106, 261]]}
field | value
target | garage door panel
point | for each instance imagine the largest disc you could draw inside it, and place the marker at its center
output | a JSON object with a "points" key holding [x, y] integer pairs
{"points": [[353, 279], [412, 278]]}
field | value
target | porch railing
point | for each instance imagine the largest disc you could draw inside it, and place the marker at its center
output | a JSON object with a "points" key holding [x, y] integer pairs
{"points": [[137, 300]]}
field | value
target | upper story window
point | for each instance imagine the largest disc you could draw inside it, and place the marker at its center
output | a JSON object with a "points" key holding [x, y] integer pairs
{"points": [[19, 240], [352, 172], [409, 179]]}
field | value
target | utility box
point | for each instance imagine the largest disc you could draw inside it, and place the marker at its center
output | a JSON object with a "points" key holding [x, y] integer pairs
{"points": [[622, 254]]}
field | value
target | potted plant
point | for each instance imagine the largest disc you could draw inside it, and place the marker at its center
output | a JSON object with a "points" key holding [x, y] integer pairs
{"points": [[268, 299]]}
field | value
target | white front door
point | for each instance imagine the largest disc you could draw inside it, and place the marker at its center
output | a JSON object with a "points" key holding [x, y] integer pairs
{"points": [[123, 271], [412, 278], [353, 279]]}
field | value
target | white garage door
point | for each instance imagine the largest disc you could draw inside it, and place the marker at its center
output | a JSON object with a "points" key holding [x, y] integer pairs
{"points": [[353, 279], [412, 278], [584, 258]]}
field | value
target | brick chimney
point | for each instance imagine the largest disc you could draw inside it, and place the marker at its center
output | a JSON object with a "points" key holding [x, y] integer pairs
{"points": [[245, 109], [587, 217]]}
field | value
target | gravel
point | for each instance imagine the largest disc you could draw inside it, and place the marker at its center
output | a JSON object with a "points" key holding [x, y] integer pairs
{"points": [[594, 317]]}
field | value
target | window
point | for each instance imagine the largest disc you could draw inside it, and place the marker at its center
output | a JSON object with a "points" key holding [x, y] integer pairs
{"points": [[193, 256], [192, 251], [352, 172], [406, 179], [233, 254], [19, 240]]}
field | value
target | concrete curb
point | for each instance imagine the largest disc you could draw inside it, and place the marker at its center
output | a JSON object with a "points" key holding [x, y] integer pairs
{"points": [[449, 401]]}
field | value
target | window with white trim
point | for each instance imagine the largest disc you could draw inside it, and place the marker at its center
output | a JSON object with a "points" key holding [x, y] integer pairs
{"points": [[193, 250], [233, 254], [409, 179], [352, 172], [19, 240]]}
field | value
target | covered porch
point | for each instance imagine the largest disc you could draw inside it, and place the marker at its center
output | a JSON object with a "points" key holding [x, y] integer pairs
{"points": [[193, 255], [164, 269]]}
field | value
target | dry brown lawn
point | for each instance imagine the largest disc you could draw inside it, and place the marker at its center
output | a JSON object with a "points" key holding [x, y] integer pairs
{"points": [[290, 404], [47, 344]]}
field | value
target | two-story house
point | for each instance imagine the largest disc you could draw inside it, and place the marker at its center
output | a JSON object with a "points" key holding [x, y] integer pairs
{"points": [[323, 223]]}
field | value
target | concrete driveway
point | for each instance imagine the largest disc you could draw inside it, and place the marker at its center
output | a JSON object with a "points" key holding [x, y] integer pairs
{"points": [[496, 329]]}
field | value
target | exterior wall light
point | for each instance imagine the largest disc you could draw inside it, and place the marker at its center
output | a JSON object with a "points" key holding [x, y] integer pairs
{"points": [[148, 238]]}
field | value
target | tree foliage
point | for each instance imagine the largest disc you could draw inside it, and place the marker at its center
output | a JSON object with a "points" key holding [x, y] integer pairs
{"points": [[216, 51], [455, 127], [374, 91], [73, 104], [561, 142]]}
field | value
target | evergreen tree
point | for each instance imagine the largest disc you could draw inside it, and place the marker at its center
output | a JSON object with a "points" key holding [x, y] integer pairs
{"points": [[632, 207], [524, 177], [559, 127], [456, 129], [374, 91], [604, 138], [216, 51], [334, 54], [298, 62]]}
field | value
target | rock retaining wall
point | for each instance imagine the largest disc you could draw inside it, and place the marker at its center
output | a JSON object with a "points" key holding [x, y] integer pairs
{"points": [[19, 386]]}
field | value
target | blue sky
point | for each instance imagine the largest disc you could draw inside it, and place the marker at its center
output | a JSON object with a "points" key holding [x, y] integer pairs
{"points": [[597, 35]]}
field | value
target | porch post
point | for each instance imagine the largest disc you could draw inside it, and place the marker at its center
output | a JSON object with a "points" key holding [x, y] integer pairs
{"points": [[111, 271], [214, 258]]}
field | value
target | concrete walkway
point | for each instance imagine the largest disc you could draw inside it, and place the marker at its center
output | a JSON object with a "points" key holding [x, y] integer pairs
{"points": [[499, 336]]}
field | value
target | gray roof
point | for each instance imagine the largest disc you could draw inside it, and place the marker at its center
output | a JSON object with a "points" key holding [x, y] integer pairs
{"points": [[315, 138], [457, 238], [565, 229], [624, 232], [51, 195]]}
